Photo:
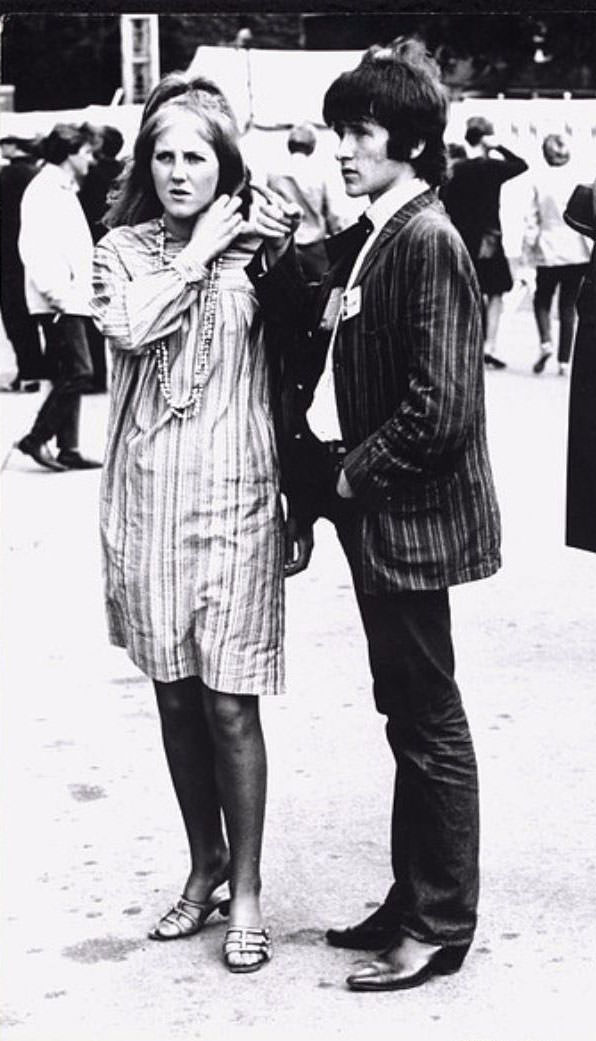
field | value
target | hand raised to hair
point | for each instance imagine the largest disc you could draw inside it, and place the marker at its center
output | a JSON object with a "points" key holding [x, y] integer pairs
{"points": [[215, 228], [275, 220]]}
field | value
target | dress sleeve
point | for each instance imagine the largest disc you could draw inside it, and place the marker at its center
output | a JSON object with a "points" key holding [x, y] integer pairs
{"points": [[134, 311]]}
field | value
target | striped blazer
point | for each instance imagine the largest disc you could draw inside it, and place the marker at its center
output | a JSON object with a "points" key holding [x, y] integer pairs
{"points": [[409, 381]]}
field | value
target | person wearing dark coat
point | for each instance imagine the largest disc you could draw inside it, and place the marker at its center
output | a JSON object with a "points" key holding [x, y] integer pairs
{"points": [[580, 214], [20, 327], [394, 453], [472, 199], [93, 197]]}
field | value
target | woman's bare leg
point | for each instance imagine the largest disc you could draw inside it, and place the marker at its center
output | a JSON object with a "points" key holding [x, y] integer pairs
{"points": [[190, 755], [241, 768]]}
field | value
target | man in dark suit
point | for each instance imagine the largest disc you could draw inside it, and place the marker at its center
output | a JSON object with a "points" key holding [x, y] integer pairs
{"points": [[402, 469], [20, 327]]}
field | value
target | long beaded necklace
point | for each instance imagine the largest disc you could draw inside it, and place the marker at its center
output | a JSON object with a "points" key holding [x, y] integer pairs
{"points": [[187, 408]]}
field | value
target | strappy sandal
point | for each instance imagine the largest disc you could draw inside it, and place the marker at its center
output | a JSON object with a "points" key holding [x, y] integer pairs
{"points": [[246, 940], [188, 917]]}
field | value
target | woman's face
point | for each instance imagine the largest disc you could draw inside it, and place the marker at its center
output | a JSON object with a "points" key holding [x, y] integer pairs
{"points": [[184, 168]]}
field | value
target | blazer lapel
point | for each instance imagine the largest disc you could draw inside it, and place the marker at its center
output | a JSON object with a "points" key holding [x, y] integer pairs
{"points": [[394, 225]]}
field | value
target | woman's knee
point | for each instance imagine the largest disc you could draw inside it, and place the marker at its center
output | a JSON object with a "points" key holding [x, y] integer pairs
{"points": [[231, 716], [178, 700]]}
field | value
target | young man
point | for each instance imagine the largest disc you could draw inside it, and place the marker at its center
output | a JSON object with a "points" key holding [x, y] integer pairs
{"points": [[57, 252], [402, 469], [558, 253]]}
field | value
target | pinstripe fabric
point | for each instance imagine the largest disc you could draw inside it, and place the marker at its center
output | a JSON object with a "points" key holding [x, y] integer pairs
{"points": [[409, 384], [410, 390], [191, 523]]}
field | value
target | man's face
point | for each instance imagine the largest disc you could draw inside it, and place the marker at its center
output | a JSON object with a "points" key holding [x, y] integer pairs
{"points": [[362, 155], [81, 162]]}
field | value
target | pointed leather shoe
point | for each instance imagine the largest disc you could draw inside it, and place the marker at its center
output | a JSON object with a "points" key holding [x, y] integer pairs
{"points": [[373, 934], [73, 460], [40, 453], [403, 972]]}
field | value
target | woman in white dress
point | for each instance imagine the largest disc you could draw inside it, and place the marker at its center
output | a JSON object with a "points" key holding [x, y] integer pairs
{"points": [[191, 524]]}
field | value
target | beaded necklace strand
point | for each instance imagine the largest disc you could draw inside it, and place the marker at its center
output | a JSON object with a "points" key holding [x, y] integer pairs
{"points": [[187, 408]]}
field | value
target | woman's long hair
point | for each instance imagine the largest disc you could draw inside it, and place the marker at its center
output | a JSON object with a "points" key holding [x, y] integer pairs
{"points": [[136, 200]]}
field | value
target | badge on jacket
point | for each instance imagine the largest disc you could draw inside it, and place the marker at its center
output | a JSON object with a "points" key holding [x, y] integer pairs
{"points": [[350, 303]]}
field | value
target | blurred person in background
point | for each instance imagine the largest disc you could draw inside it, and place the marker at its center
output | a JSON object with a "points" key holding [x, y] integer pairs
{"points": [[57, 252], [580, 214], [472, 199], [15, 174], [302, 181], [93, 197], [559, 254]]}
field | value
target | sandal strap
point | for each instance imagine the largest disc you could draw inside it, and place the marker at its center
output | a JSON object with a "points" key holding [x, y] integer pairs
{"points": [[177, 913], [248, 940]]}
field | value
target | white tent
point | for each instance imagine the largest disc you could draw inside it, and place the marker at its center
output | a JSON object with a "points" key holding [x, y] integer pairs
{"points": [[269, 88]]}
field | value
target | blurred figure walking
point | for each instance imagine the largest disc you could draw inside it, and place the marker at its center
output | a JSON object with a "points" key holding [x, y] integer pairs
{"points": [[93, 197], [20, 327], [472, 198], [57, 252], [559, 254], [302, 181]]}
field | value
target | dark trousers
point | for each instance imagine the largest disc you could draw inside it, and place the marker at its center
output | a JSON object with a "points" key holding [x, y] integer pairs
{"points": [[22, 331], [70, 369], [97, 350], [568, 278], [435, 820]]}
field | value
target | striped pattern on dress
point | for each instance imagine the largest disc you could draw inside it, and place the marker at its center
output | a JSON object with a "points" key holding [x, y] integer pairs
{"points": [[191, 522]]}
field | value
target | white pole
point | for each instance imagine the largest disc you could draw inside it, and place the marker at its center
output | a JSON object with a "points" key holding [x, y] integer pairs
{"points": [[139, 50]]}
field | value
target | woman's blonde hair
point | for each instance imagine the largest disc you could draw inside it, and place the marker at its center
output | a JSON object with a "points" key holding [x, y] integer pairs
{"points": [[136, 200]]}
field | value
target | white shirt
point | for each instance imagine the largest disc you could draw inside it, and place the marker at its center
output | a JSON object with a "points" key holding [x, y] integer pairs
{"points": [[322, 414], [55, 245], [548, 240]]}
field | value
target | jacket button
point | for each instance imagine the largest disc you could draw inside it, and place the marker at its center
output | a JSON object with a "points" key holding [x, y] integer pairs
{"points": [[309, 334], [300, 386], [297, 437]]}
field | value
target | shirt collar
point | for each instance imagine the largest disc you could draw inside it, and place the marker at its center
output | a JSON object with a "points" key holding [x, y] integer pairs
{"points": [[393, 199], [63, 178]]}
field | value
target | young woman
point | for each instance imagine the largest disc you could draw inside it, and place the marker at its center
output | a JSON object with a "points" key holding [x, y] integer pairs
{"points": [[191, 523]]}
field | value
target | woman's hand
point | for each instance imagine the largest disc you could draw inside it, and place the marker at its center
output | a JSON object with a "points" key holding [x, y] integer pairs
{"points": [[214, 230], [275, 220]]}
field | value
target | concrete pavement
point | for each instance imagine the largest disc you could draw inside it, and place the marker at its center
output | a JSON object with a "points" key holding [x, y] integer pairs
{"points": [[93, 848]]}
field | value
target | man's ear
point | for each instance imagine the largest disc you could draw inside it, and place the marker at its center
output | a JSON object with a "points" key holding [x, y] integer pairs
{"points": [[417, 150]]}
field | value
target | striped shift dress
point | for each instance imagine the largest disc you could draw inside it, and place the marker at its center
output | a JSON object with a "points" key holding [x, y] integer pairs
{"points": [[191, 521]]}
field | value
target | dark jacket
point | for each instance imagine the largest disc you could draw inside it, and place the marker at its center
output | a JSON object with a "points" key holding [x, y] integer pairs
{"points": [[409, 387], [581, 445], [472, 195]]}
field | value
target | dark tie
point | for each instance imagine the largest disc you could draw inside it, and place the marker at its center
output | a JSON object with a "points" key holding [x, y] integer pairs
{"points": [[365, 226], [346, 246]]}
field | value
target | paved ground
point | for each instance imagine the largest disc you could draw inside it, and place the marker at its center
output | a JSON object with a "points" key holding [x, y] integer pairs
{"points": [[93, 849]]}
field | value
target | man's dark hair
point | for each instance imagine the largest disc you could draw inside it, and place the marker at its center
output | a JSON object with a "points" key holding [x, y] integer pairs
{"points": [[398, 87], [478, 127], [111, 141], [66, 139]]}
